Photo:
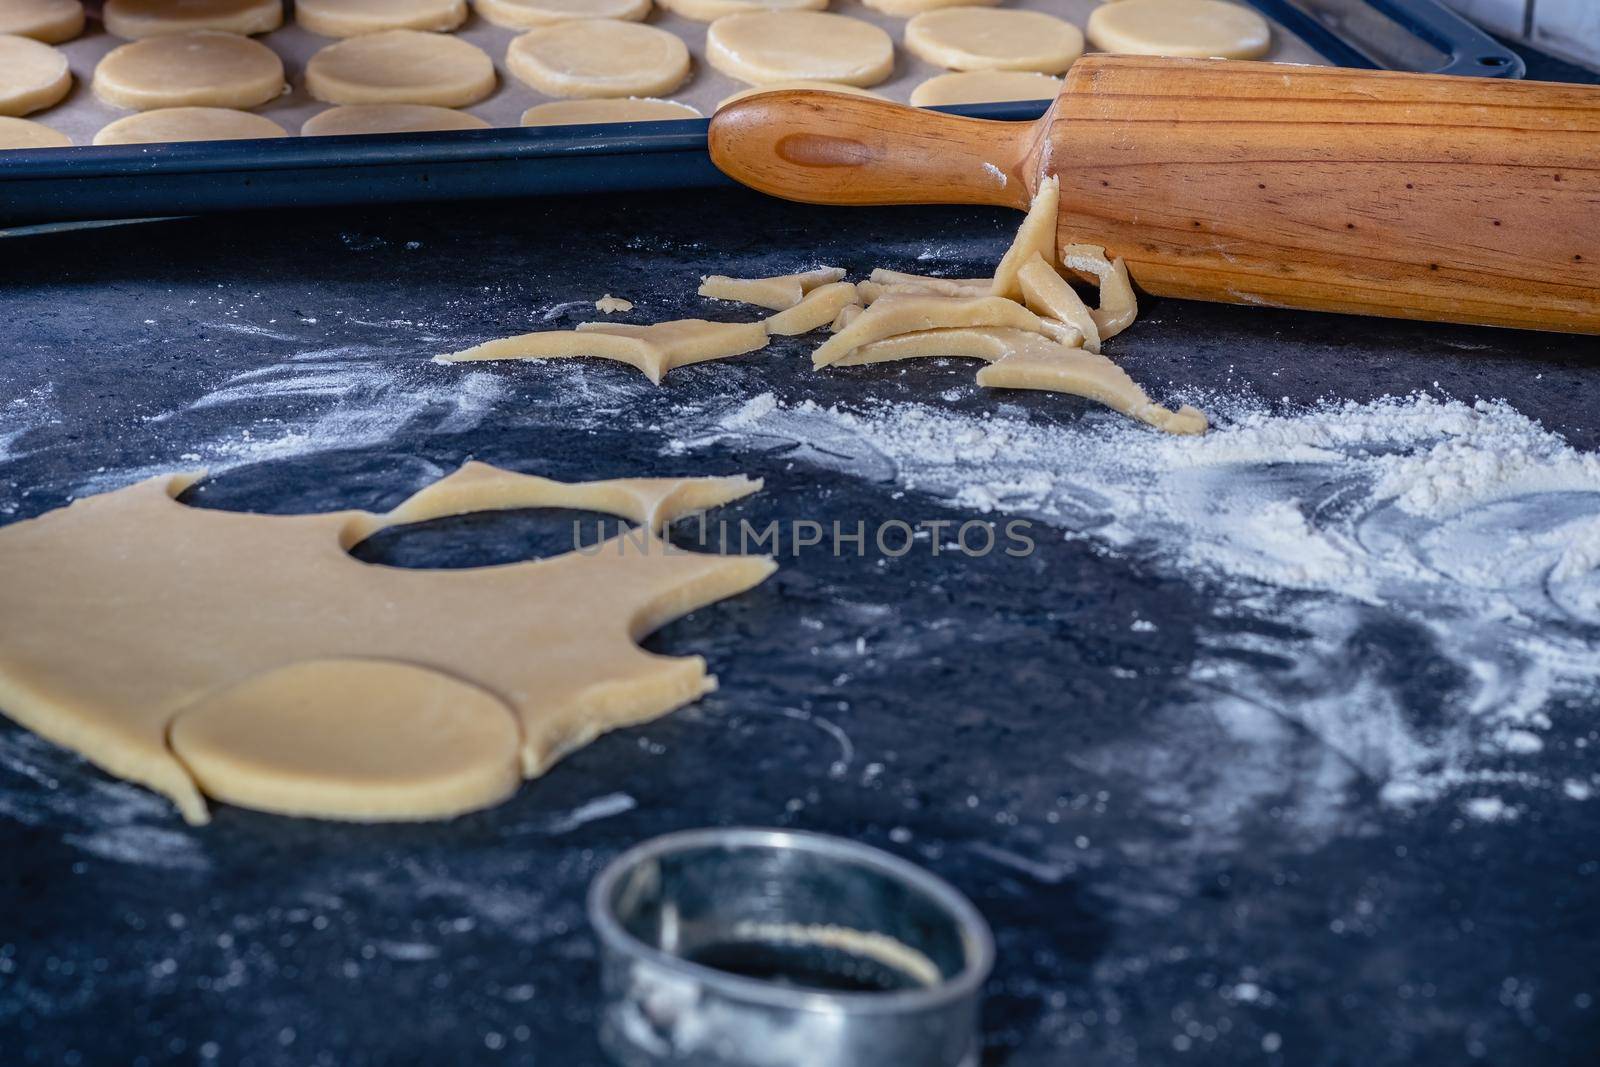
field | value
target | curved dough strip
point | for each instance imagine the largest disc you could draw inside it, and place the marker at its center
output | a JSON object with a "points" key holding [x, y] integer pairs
{"points": [[820, 307], [653, 349], [1118, 306], [1048, 294], [775, 294], [1036, 236], [910, 313]]}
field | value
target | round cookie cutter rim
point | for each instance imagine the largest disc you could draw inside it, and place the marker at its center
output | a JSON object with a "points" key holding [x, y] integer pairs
{"points": [[976, 937]]}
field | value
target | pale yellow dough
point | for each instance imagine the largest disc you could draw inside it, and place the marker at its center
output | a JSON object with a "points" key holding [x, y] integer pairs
{"points": [[1047, 294], [401, 67], [611, 305], [24, 133], [50, 21], [599, 57], [1192, 28], [33, 76], [653, 349], [775, 294], [762, 47], [351, 18], [1118, 306], [388, 118], [984, 87], [820, 306], [353, 691], [883, 282], [986, 38], [913, 313], [137, 19], [204, 69], [526, 14], [711, 10], [907, 8], [606, 109], [1036, 236], [188, 124], [799, 83]]}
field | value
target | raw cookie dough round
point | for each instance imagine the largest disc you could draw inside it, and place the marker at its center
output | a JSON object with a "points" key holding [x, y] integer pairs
{"points": [[50, 21], [986, 38], [906, 8], [388, 118], [615, 109], [188, 124], [33, 76], [984, 87], [205, 69], [137, 19], [799, 83], [711, 10], [23, 133], [599, 57], [352, 739], [401, 67], [762, 47], [1193, 28], [526, 14], [351, 18]]}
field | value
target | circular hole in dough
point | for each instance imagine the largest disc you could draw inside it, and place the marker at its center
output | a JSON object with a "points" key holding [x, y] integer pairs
{"points": [[33, 76], [367, 740], [761, 47], [137, 19], [984, 87], [388, 118], [23, 133], [599, 57], [774, 87], [188, 124], [50, 21], [615, 109], [401, 67], [985, 38], [351, 18], [1194, 28], [711, 10], [205, 69], [526, 14], [906, 8]]}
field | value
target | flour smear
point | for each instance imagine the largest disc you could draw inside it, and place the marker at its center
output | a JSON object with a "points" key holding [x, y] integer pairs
{"points": [[1466, 527]]}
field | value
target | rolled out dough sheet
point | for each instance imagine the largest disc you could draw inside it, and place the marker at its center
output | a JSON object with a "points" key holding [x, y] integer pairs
{"points": [[355, 691]]}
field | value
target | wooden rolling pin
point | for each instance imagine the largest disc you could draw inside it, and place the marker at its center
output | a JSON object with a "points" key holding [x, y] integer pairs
{"points": [[1368, 192]]}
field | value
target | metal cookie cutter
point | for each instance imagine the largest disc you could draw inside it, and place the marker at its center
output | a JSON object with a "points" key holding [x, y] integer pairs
{"points": [[767, 948]]}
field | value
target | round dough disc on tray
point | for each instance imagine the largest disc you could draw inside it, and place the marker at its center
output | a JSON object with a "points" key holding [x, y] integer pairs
{"points": [[711, 10], [984, 87], [599, 57], [23, 133], [904, 9], [526, 14], [33, 76], [613, 109], [986, 38], [799, 83], [388, 118], [205, 69], [351, 18], [137, 19], [1198, 29], [761, 47], [401, 67], [50, 21], [170, 124]]}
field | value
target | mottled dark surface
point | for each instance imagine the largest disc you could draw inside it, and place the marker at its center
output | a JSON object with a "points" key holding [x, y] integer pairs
{"points": [[961, 712]]}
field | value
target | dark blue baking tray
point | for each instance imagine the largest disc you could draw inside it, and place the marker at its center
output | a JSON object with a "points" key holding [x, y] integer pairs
{"points": [[59, 185]]}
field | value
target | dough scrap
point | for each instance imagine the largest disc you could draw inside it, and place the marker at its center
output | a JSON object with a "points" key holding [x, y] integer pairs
{"points": [[1057, 368], [607, 109], [401, 67], [127, 611], [1047, 294], [711, 10], [911, 313], [203, 69], [820, 306], [984, 87], [610, 305], [1036, 236], [33, 76], [653, 349], [884, 282], [526, 14], [25, 133], [762, 47], [50, 21], [1118, 306], [351, 18], [169, 124], [1194, 28], [847, 314], [986, 38], [599, 57], [799, 83], [907, 8], [137, 19], [349, 119], [775, 294]]}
